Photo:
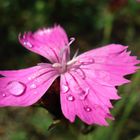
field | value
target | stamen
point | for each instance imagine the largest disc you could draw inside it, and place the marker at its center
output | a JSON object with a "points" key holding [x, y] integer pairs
{"points": [[62, 51], [71, 62], [76, 53], [57, 65], [72, 39]]}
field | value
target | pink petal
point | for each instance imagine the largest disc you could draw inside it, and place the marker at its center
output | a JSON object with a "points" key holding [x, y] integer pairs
{"points": [[110, 64], [27, 86], [88, 87], [46, 42], [106, 50], [85, 99]]}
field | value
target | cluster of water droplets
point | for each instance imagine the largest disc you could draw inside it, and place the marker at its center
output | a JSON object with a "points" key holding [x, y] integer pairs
{"points": [[16, 88], [37, 78], [82, 95]]}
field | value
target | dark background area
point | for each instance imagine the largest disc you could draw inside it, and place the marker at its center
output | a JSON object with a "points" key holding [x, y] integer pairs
{"points": [[93, 24]]}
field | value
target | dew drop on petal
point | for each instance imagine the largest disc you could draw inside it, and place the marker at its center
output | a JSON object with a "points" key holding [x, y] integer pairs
{"points": [[84, 94], [3, 94], [33, 86], [65, 88], [88, 109], [24, 43], [91, 60], [16, 88], [28, 44], [70, 98]]}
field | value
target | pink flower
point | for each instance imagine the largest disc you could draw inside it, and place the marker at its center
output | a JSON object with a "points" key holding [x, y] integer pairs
{"points": [[87, 81]]}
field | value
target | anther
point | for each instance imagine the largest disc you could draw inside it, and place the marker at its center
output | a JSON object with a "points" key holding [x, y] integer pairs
{"points": [[72, 39]]}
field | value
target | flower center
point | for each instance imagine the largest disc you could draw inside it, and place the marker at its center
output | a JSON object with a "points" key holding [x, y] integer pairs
{"points": [[63, 67], [65, 63]]}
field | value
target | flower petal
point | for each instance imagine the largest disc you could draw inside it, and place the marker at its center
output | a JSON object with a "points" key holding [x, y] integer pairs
{"points": [[46, 42], [110, 64], [85, 100], [88, 87], [106, 50], [27, 86]]}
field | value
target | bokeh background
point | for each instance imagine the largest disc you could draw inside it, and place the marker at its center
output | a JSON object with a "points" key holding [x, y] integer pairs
{"points": [[93, 23]]}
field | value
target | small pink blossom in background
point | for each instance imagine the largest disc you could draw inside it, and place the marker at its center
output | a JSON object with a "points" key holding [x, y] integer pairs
{"points": [[87, 81]]}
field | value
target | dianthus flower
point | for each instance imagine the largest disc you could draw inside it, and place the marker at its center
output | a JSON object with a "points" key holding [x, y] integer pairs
{"points": [[87, 81]]}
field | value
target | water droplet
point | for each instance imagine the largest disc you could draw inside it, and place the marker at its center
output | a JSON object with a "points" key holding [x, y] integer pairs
{"points": [[84, 94], [33, 86], [70, 98], [3, 94], [91, 60], [65, 88], [88, 109], [16, 88], [28, 44]]}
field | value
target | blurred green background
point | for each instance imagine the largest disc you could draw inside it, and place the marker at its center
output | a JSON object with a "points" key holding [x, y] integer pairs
{"points": [[93, 24]]}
